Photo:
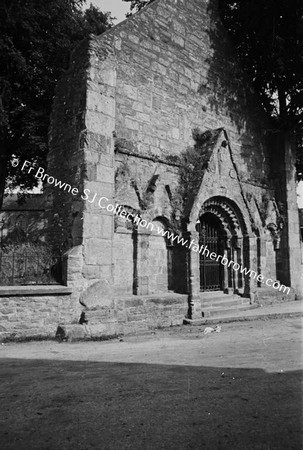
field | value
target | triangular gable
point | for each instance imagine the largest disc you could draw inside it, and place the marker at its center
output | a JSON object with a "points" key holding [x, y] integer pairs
{"points": [[196, 163], [217, 176]]}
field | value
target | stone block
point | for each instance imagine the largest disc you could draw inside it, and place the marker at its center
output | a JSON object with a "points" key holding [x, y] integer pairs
{"points": [[98, 225], [100, 315], [105, 174], [133, 38], [178, 40], [142, 117], [100, 188], [130, 91], [97, 251], [131, 124], [134, 303], [71, 332], [105, 330], [98, 122], [99, 294], [107, 230], [104, 73], [7, 310], [100, 103]]}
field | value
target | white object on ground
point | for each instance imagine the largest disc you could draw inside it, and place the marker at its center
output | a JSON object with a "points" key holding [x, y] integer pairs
{"points": [[216, 329]]}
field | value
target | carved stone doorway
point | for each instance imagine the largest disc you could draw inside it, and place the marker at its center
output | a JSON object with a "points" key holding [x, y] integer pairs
{"points": [[222, 229], [211, 236]]}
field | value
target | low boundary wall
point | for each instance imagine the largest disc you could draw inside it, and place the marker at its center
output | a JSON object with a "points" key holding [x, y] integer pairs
{"points": [[41, 311]]}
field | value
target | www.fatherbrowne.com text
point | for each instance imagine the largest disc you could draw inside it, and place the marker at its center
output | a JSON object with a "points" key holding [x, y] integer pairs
{"points": [[103, 203]]}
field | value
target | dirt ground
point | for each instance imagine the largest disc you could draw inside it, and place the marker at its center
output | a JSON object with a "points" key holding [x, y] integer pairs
{"points": [[172, 389]]}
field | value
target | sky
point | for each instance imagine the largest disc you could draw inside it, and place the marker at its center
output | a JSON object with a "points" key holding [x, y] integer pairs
{"points": [[118, 8]]}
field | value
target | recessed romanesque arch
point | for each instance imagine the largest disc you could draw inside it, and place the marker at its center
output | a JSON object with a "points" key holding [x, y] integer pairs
{"points": [[222, 229], [228, 213]]}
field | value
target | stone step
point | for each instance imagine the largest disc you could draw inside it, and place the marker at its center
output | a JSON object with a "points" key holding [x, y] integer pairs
{"points": [[224, 301], [274, 311], [222, 312], [212, 295], [217, 303], [221, 305]]}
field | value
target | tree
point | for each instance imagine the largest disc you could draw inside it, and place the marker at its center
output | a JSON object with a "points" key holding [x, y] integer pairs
{"points": [[268, 37], [137, 5], [36, 39]]}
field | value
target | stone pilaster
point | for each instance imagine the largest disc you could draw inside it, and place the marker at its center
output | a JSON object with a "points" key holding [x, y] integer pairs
{"points": [[250, 282], [98, 217], [142, 263], [193, 275]]}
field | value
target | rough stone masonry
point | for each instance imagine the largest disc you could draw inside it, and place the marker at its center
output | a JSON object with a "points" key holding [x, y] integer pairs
{"points": [[156, 115]]}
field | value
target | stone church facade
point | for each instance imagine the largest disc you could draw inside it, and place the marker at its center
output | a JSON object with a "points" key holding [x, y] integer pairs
{"points": [[155, 116]]}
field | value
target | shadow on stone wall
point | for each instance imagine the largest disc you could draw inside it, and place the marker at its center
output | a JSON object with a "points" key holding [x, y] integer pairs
{"points": [[227, 87]]}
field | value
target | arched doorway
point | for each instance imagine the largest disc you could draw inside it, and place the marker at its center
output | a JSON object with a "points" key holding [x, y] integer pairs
{"points": [[212, 238], [223, 232]]}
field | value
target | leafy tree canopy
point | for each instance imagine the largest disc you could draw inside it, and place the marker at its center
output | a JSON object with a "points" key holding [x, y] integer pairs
{"points": [[137, 5], [268, 37], [36, 38]]}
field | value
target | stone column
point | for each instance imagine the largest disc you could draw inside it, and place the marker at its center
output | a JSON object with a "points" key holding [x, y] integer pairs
{"points": [[225, 272], [228, 270], [239, 249], [193, 276], [236, 257], [235, 272], [250, 282]]}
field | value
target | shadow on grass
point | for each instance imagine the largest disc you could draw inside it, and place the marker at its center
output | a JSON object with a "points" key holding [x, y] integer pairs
{"points": [[99, 405]]}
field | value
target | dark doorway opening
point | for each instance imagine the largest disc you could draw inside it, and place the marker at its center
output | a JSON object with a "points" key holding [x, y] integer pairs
{"points": [[211, 236]]}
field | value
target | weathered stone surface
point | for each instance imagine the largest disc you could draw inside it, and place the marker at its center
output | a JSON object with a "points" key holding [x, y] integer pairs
{"points": [[159, 124], [71, 333], [98, 294], [37, 315]]}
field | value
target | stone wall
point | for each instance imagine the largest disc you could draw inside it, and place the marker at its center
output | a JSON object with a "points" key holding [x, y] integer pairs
{"points": [[35, 311], [36, 316], [176, 74], [136, 314], [132, 103], [176, 71]]}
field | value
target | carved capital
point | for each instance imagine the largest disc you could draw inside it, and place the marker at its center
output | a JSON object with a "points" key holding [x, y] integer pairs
{"points": [[276, 231]]}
